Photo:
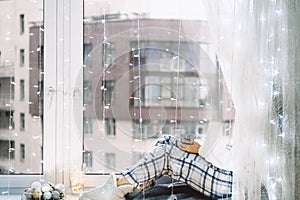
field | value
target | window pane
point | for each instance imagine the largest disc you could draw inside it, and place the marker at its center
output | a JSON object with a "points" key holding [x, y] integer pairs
{"points": [[22, 122], [169, 40], [22, 57], [22, 90], [22, 152], [146, 79], [21, 86], [22, 26], [7, 149], [87, 48]]}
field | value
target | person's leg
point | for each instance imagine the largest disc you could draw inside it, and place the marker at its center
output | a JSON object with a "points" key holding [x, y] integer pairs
{"points": [[157, 158], [183, 163], [153, 165], [201, 175], [139, 176]]}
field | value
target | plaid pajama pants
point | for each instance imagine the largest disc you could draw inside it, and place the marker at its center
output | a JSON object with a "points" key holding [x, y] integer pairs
{"points": [[193, 169]]}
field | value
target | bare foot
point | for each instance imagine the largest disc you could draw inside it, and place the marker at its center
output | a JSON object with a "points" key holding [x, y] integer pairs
{"points": [[191, 148]]}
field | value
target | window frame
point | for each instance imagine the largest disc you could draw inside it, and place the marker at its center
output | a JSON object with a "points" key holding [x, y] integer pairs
{"points": [[57, 51], [63, 92]]}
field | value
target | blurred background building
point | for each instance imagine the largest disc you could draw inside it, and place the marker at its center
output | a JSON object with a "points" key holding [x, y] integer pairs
{"points": [[135, 91], [21, 128]]}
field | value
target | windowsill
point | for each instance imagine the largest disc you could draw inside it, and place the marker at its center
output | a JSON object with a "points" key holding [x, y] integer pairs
{"points": [[18, 197]]}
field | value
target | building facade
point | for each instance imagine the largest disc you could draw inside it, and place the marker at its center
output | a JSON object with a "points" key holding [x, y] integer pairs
{"points": [[20, 129], [139, 88]]}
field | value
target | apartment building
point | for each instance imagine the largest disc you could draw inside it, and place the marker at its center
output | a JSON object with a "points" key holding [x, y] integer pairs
{"points": [[139, 89], [20, 129]]}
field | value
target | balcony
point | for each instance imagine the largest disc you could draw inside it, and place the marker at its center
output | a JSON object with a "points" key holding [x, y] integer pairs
{"points": [[7, 69], [6, 103]]}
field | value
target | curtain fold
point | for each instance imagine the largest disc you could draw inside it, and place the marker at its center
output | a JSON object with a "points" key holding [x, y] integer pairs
{"points": [[256, 42]]}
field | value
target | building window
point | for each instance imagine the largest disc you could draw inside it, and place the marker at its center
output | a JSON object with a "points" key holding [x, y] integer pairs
{"points": [[166, 54], [88, 125], [87, 58], [19, 50], [87, 89], [22, 57], [88, 158], [153, 89], [147, 128], [22, 90], [22, 121], [22, 152], [109, 53], [7, 120], [22, 23], [164, 89], [7, 149], [138, 57], [107, 92], [110, 160], [110, 126]]}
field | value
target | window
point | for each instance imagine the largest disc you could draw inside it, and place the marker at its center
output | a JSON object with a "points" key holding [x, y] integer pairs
{"points": [[147, 128], [88, 159], [109, 53], [20, 43], [110, 126], [22, 57], [138, 56], [7, 120], [88, 125], [22, 23], [165, 89], [22, 121], [87, 88], [22, 152], [110, 160], [22, 90], [107, 91], [142, 85], [153, 88], [7, 149], [167, 54], [87, 58]]}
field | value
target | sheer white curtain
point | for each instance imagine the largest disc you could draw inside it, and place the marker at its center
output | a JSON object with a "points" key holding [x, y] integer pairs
{"points": [[252, 41]]}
